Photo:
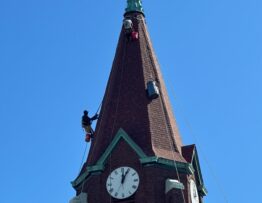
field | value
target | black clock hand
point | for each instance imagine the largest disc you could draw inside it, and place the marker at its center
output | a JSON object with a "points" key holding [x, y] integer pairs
{"points": [[123, 179]]}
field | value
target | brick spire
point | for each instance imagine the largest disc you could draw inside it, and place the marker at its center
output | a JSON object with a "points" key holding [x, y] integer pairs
{"points": [[138, 131], [149, 123]]}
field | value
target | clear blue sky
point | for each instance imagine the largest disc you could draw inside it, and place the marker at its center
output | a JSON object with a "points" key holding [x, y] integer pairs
{"points": [[55, 58]]}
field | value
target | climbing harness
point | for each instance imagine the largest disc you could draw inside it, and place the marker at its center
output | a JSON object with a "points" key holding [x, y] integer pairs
{"points": [[86, 125]]}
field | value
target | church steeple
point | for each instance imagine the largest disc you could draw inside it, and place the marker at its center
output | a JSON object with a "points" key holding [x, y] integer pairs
{"points": [[137, 132], [126, 105]]}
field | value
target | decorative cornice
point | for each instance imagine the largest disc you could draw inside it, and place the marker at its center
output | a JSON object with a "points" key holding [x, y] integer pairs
{"points": [[199, 174], [181, 166], [121, 134], [173, 184], [100, 164], [197, 171], [202, 190]]}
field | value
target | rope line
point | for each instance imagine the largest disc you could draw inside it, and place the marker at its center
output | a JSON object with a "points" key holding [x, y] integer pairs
{"points": [[82, 161], [154, 70], [172, 148], [99, 107], [193, 135], [116, 110], [118, 99]]}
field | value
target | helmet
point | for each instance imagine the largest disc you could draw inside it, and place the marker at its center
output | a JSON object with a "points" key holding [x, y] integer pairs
{"points": [[85, 112]]}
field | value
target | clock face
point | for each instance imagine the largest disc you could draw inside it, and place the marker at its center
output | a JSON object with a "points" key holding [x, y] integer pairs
{"points": [[122, 182], [193, 192]]}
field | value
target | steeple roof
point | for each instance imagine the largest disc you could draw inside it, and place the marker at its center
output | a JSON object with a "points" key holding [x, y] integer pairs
{"points": [[150, 123]]}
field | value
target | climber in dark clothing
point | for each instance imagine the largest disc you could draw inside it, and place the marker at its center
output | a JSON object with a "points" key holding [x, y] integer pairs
{"points": [[86, 124]]}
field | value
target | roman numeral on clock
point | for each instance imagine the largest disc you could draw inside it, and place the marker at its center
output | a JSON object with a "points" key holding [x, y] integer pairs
{"points": [[134, 186]]}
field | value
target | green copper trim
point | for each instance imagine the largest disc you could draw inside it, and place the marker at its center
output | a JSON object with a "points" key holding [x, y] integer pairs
{"points": [[173, 184], [181, 167], [95, 168], [196, 164], [79, 179], [121, 134], [100, 164], [196, 160], [202, 190], [134, 6]]}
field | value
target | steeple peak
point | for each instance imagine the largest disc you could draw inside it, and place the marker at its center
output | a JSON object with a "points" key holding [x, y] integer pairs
{"points": [[137, 132], [134, 6]]}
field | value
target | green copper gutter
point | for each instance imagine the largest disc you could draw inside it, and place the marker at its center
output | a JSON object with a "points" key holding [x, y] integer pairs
{"points": [[181, 166]]}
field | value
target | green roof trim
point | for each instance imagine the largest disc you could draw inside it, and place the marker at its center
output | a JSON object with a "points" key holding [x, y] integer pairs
{"points": [[95, 168], [195, 161], [134, 6], [202, 190], [80, 179], [145, 160], [121, 134], [100, 164], [181, 166]]}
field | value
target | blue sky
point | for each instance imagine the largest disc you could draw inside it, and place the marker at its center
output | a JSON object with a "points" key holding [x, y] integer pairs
{"points": [[55, 58]]}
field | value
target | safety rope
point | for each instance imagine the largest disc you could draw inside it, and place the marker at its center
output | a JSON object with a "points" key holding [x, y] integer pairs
{"points": [[193, 135], [117, 104], [118, 99], [168, 129], [99, 107], [155, 73], [82, 161]]}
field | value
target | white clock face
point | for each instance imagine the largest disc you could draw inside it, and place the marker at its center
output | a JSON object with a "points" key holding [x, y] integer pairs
{"points": [[122, 182], [193, 191]]}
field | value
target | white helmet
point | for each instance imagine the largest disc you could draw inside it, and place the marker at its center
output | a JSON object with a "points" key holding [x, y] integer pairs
{"points": [[128, 24]]}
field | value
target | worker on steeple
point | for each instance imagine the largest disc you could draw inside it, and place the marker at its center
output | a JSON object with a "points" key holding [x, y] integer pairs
{"points": [[86, 124], [130, 32], [128, 25]]}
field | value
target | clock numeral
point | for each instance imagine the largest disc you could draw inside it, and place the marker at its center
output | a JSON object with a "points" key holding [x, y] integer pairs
{"points": [[130, 192], [123, 195], [122, 170], [133, 174], [111, 190], [109, 184], [111, 178], [116, 172], [116, 194], [134, 186], [136, 180]]}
